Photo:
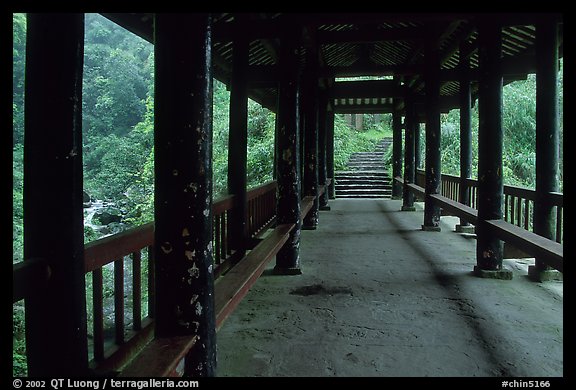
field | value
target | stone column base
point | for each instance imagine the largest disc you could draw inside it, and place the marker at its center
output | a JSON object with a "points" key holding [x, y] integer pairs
{"points": [[324, 208], [503, 274], [287, 271], [408, 208], [471, 229], [538, 275], [431, 228]]}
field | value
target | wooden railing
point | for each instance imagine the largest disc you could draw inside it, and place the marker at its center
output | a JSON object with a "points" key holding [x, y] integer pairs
{"points": [[551, 252], [518, 201], [113, 345]]}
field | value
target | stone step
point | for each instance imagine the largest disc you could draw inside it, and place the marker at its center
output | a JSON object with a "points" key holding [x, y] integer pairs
{"points": [[377, 172], [363, 188], [363, 180]]}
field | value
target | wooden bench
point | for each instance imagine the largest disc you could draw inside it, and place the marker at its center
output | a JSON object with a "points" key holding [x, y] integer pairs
{"points": [[549, 251], [467, 213], [535, 245], [162, 357], [231, 288], [306, 205]]}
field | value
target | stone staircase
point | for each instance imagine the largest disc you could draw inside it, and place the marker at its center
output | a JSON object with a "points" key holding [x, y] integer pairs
{"points": [[366, 176]]}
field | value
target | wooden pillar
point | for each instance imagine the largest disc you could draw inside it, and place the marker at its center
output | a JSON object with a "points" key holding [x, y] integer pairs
{"points": [[409, 171], [288, 162], [359, 122], [330, 151], [396, 151], [322, 154], [238, 146], [465, 140], [433, 169], [547, 139], [489, 248], [303, 102], [56, 340], [353, 121], [310, 181], [183, 185]]}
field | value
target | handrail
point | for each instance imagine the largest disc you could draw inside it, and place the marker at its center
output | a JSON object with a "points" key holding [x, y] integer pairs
{"points": [[519, 202], [31, 276], [549, 251]]}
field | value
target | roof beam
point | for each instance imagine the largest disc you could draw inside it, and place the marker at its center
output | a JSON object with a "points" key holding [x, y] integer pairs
{"points": [[372, 70], [366, 89], [369, 35]]}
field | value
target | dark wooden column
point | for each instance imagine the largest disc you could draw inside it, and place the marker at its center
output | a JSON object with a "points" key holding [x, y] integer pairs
{"points": [[489, 248], [465, 140], [409, 169], [330, 150], [310, 88], [547, 139], [183, 185], [288, 162], [396, 151], [433, 169], [238, 146], [56, 340], [322, 154]]}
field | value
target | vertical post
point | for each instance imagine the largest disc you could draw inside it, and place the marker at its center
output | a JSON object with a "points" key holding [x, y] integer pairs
{"points": [[547, 140], [183, 185], [288, 162], [311, 137], [465, 139], [433, 169], [409, 171], [238, 144], [396, 151], [56, 319], [330, 150], [489, 248], [322, 153]]}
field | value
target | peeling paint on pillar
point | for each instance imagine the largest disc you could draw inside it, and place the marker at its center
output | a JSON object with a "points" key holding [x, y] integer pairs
{"points": [[183, 185], [489, 248], [287, 174]]}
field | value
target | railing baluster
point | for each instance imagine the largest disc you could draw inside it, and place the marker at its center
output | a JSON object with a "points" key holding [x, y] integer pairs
{"points": [[151, 283], [217, 250], [98, 314], [119, 300], [506, 218], [136, 291], [559, 224], [519, 212], [526, 214]]}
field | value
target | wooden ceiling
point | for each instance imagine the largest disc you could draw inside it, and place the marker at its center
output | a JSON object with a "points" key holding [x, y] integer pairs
{"points": [[387, 46]]}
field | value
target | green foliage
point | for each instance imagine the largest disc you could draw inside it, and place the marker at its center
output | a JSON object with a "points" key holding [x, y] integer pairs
{"points": [[19, 364], [348, 140]]}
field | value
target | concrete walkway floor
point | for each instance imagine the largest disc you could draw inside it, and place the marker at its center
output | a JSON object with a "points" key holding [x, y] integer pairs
{"points": [[380, 297]]}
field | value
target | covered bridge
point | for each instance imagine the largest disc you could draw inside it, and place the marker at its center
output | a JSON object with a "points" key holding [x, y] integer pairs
{"points": [[203, 254]]}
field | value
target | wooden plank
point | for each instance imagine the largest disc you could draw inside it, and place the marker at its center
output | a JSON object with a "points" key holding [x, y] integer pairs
{"points": [[232, 287], [106, 250], [306, 205], [29, 278], [416, 189], [551, 252], [160, 357], [460, 210]]}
